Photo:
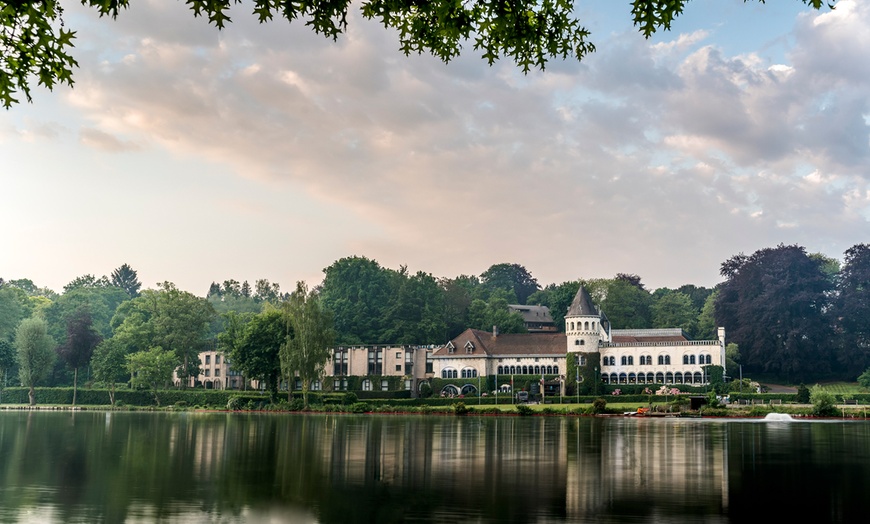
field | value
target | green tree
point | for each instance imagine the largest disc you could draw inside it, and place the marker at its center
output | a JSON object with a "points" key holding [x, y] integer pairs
{"points": [[77, 349], [14, 307], [305, 353], [36, 43], [416, 313], [7, 361], [514, 279], [110, 365], [674, 309], [623, 300], [152, 369], [358, 291], [255, 352], [86, 281], [706, 325], [169, 318], [125, 277], [864, 379], [35, 353], [484, 315]]}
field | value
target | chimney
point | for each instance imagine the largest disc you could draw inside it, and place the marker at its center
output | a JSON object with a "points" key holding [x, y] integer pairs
{"points": [[494, 331]]}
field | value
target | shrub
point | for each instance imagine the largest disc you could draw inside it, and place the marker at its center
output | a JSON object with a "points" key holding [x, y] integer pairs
{"points": [[823, 402], [524, 410], [599, 405], [803, 394], [460, 408], [349, 398], [360, 407]]}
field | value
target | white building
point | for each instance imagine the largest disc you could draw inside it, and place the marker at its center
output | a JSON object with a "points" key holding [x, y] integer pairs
{"points": [[627, 356]]}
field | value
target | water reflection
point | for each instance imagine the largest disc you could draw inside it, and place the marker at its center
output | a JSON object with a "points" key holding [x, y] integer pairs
{"points": [[117, 467]]}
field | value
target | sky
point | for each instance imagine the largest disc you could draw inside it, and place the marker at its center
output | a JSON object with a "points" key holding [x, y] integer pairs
{"points": [[267, 151]]}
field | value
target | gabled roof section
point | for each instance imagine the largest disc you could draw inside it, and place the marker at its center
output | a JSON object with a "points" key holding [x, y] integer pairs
{"points": [[545, 344], [582, 305]]}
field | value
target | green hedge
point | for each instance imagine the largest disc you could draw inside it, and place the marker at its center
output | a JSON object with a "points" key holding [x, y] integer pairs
{"points": [[130, 397]]}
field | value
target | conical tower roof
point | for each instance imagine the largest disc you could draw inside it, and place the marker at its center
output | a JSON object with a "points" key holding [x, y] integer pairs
{"points": [[582, 305]]}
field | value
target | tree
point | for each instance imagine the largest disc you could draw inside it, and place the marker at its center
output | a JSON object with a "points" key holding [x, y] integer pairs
{"points": [[81, 339], [152, 369], [7, 361], [674, 309], [35, 353], [14, 307], [36, 44], [125, 277], [495, 313], [169, 318], [255, 352], [305, 353], [416, 312], [624, 301], [110, 365], [358, 291], [512, 278], [851, 310], [773, 304], [86, 281]]}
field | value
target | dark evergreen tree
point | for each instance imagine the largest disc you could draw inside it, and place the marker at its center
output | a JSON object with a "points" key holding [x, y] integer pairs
{"points": [[851, 311], [125, 277], [773, 306]]}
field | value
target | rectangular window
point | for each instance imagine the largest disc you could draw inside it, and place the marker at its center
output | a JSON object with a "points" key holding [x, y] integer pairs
{"points": [[429, 362], [385, 385], [398, 368], [376, 361], [207, 360], [407, 385], [398, 355], [339, 361], [367, 385], [208, 372], [217, 372], [217, 360]]}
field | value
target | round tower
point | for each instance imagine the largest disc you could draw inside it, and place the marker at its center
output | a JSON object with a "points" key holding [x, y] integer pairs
{"points": [[582, 324]]}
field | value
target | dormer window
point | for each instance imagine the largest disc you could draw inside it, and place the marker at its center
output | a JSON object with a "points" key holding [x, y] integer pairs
{"points": [[469, 347], [450, 347]]}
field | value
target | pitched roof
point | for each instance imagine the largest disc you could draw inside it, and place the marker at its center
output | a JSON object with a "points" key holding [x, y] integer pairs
{"points": [[533, 313], [582, 304], [505, 345]]}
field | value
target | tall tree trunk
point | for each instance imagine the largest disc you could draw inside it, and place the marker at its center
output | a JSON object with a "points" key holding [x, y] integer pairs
{"points": [[112, 394], [75, 384], [32, 395]]}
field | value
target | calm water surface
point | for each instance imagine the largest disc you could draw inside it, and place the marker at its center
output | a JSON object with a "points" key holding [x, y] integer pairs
{"points": [[190, 467]]}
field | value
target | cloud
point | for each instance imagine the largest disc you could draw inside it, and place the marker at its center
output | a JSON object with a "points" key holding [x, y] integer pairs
{"points": [[661, 156]]}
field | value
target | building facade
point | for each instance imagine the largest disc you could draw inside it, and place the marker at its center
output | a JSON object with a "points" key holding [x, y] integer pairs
{"points": [[619, 356]]}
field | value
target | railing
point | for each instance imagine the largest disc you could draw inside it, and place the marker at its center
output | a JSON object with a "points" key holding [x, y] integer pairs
{"points": [[659, 344]]}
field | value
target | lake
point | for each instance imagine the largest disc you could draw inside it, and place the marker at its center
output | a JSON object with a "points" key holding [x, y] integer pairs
{"points": [[236, 467]]}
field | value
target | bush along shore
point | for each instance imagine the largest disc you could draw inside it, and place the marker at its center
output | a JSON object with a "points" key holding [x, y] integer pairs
{"points": [[740, 405]]}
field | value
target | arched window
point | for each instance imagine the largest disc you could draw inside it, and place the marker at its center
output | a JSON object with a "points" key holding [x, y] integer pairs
{"points": [[669, 378], [630, 360], [525, 370], [537, 370], [555, 370], [582, 342], [513, 370], [593, 326], [709, 360], [698, 378], [614, 379], [661, 360], [667, 360], [623, 360], [678, 378], [572, 326], [586, 326], [691, 359], [632, 378], [577, 342], [499, 371], [604, 378], [549, 370], [685, 359]]}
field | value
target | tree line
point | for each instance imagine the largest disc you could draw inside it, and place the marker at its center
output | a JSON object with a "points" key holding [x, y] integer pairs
{"points": [[793, 315]]}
